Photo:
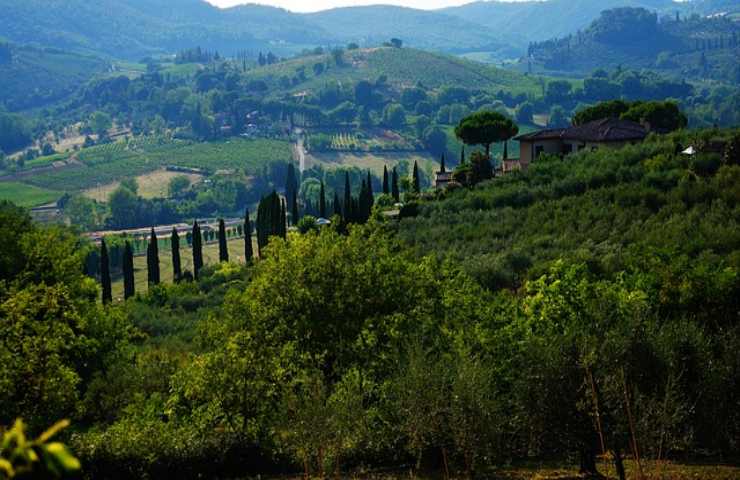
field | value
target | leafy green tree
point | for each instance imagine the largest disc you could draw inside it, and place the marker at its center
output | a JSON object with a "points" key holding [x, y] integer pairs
{"points": [[178, 185], [557, 117], [129, 289], [524, 112], [610, 109], [176, 260], [39, 458], [223, 246], [485, 128], [660, 116], [307, 223], [394, 116], [435, 140], [100, 123], [105, 273], [197, 243]]}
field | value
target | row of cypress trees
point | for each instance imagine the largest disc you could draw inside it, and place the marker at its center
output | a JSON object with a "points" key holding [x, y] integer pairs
{"points": [[152, 258], [271, 221]]}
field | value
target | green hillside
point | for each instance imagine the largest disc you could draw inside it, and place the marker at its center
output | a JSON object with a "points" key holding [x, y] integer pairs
{"points": [[34, 76], [402, 67], [692, 47]]}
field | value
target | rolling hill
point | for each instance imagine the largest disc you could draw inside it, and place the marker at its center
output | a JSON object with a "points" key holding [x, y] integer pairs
{"points": [[693, 47], [34, 76], [132, 29], [402, 67]]}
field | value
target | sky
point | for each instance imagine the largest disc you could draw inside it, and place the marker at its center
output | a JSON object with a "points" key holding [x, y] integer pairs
{"points": [[317, 5]]}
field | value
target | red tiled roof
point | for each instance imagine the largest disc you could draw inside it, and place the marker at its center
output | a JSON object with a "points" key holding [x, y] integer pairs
{"points": [[604, 130]]}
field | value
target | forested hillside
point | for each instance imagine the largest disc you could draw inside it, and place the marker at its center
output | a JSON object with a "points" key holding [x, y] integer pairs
{"points": [[517, 320], [690, 47]]}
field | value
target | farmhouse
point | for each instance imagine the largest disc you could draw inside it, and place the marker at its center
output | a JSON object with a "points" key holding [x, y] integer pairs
{"points": [[607, 132]]}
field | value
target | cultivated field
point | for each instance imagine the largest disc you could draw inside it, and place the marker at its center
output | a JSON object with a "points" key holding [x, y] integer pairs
{"points": [[27, 195], [151, 185], [106, 164]]}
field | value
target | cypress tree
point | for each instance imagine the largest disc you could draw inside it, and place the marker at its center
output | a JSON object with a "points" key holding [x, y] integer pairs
{"points": [[197, 249], [322, 201], [415, 185], [283, 220], [291, 184], [347, 198], [394, 185], [362, 203], [152, 259], [248, 253], [442, 164], [223, 247], [337, 206], [105, 274], [175, 247], [386, 189], [370, 194], [506, 149], [462, 155], [294, 211], [128, 272]]}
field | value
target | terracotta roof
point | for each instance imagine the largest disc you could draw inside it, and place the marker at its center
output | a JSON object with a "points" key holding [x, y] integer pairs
{"points": [[604, 130]]}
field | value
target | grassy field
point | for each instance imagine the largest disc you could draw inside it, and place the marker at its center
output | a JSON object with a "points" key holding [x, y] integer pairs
{"points": [[105, 164], [371, 161], [210, 256], [151, 185], [27, 195]]}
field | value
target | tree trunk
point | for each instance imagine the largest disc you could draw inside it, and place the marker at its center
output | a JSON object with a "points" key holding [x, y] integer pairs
{"points": [[618, 465], [446, 465], [588, 462]]}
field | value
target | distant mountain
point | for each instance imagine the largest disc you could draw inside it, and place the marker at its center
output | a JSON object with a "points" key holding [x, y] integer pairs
{"points": [[418, 28], [133, 29]]}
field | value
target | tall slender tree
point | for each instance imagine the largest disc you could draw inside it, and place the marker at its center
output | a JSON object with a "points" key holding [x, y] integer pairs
{"points": [[291, 184], [176, 262], [370, 194], [105, 274], [337, 207], [347, 198], [223, 246], [442, 164], [283, 220], [394, 186], [152, 259], [197, 250], [322, 201], [294, 215], [386, 187], [415, 185], [248, 249], [128, 271], [462, 155]]}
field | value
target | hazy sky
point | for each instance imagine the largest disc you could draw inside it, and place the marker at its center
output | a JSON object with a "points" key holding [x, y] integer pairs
{"points": [[316, 5]]}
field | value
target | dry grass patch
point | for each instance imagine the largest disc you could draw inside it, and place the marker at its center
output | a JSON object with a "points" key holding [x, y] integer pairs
{"points": [[151, 185]]}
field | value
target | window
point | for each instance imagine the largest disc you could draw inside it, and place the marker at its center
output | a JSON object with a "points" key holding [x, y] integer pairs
{"points": [[538, 150], [567, 148]]}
